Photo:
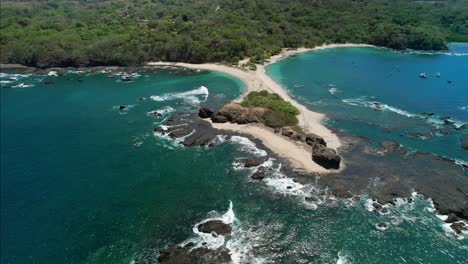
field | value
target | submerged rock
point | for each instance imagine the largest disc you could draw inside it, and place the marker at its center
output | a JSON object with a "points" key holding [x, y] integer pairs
{"points": [[215, 226], [326, 157], [122, 107]]}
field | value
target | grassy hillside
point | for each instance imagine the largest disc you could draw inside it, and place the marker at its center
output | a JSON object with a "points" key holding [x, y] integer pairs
{"points": [[117, 32]]}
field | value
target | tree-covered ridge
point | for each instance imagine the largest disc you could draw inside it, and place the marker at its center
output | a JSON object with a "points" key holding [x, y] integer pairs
{"points": [[118, 32]]}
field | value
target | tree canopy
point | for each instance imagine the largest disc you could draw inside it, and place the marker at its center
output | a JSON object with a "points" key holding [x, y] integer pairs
{"points": [[62, 33]]}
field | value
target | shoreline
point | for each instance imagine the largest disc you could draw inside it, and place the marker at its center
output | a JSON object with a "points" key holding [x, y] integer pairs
{"points": [[309, 121]]}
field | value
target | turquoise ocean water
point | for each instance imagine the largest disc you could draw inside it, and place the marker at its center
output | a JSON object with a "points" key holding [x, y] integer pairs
{"points": [[378, 94], [82, 182]]}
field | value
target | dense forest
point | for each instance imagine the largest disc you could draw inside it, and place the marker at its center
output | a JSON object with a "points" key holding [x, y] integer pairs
{"points": [[65, 33]]}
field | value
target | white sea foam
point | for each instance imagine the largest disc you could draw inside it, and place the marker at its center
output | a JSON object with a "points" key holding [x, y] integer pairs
{"points": [[162, 111], [334, 90], [189, 96], [52, 73], [363, 102], [344, 258], [248, 146], [464, 108], [22, 85]]}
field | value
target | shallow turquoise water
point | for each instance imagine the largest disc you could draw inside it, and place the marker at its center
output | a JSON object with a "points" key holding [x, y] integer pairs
{"points": [[378, 93], [75, 189]]}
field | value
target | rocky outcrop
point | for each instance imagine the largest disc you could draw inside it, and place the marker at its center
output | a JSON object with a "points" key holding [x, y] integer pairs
{"points": [[174, 254], [325, 157], [205, 112], [215, 226], [459, 227], [260, 173], [236, 113], [252, 162], [292, 134], [312, 140]]}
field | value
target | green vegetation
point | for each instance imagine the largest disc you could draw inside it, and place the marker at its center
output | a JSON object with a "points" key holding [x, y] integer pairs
{"points": [[116, 32], [282, 113]]}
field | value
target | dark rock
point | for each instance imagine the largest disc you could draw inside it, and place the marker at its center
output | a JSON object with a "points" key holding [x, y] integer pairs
{"points": [[382, 225], [356, 199], [312, 140], [198, 139], [427, 114], [122, 107], [180, 131], [188, 255], [215, 226], [452, 218], [384, 210], [289, 187], [377, 206], [458, 227], [219, 119], [252, 162], [260, 173], [326, 157], [312, 199], [205, 112], [48, 82], [276, 130], [141, 99], [159, 129]]}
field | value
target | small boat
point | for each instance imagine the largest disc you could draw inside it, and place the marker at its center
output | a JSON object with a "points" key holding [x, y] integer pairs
{"points": [[423, 75], [438, 74]]}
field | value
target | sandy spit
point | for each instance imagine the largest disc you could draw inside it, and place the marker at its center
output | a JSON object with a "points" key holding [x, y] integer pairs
{"points": [[310, 121]]}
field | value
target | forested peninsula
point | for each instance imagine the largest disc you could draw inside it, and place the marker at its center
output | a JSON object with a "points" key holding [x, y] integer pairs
{"points": [[64, 33]]}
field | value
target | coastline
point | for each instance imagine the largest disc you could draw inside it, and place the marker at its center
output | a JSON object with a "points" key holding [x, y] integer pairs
{"points": [[309, 121]]}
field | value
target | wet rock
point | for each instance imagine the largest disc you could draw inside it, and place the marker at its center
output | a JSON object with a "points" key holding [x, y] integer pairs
{"points": [[311, 199], [459, 227], [259, 174], [356, 199], [122, 107], [289, 187], [198, 139], [215, 226], [464, 142], [420, 135], [382, 225], [205, 112], [312, 140], [326, 157], [180, 131], [236, 113], [451, 218], [189, 255], [141, 99], [384, 210], [159, 129], [427, 114], [252, 162], [377, 206]]}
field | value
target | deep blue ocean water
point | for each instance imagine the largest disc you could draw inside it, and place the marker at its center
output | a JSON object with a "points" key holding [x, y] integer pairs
{"points": [[83, 182]]}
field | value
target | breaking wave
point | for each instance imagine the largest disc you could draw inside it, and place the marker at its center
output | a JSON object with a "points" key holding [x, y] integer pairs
{"points": [[378, 106], [189, 96]]}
